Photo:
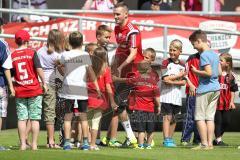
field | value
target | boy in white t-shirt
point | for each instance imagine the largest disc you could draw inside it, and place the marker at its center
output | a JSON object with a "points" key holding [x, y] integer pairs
{"points": [[171, 97], [77, 66]]}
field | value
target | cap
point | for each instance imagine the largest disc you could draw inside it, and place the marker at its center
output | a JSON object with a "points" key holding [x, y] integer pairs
{"points": [[23, 35]]}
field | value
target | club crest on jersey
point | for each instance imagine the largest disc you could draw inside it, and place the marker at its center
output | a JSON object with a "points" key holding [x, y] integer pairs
{"points": [[119, 35], [223, 86]]}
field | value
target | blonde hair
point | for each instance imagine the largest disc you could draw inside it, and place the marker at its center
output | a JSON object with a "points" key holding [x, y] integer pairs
{"points": [[103, 28], [176, 43], [228, 58], [150, 50], [55, 41]]}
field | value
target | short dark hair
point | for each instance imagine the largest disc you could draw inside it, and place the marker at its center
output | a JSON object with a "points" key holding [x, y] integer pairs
{"points": [[198, 34], [122, 4], [76, 39]]}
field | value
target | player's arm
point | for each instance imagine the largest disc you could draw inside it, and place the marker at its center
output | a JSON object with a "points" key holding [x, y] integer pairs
{"points": [[206, 72], [233, 89], [7, 73], [110, 95], [134, 42], [182, 5], [39, 70], [219, 69], [176, 82], [118, 79], [87, 5], [157, 99], [180, 75], [59, 63], [192, 88], [7, 65], [232, 105], [130, 58]]}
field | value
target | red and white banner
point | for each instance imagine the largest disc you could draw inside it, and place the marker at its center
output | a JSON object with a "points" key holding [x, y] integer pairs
{"points": [[152, 37]]}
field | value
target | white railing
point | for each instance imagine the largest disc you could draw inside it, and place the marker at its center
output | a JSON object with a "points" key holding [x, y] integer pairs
{"points": [[81, 18], [59, 14]]}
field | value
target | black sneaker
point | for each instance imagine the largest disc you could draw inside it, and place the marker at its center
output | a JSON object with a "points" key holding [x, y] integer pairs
{"points": [[220, 143], [129, 143]]}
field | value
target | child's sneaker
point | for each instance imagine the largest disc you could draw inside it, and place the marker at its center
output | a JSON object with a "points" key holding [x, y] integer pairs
{"points": [[67, 146], [94, 148], [140, 146], [148, 146], [114, 143], [85, 147], [130, 143], [168, 142], [183, 143], [77, 144], [152, 144], [104, 141]]}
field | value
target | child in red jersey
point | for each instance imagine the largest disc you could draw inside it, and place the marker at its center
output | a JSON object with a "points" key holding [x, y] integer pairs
{"points": [[143, 100], [28, 91], [226, 100], [97, 105]]}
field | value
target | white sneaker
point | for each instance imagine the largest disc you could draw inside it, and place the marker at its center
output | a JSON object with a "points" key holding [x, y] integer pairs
{"points": [[94, 148]]}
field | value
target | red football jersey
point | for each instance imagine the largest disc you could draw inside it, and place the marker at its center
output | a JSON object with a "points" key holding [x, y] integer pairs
{"points": [[193, 60], [27, 84], [145, 90], [227, 85], [127, 37], [93, 100]]}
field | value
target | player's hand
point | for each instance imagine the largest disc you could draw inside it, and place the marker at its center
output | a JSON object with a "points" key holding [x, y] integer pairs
{"points": [[158, 110], [12, 91], [167, 81], [114, 106], [192, 90], [45, 88], [193, 68], [232, 106], [99, 94]]}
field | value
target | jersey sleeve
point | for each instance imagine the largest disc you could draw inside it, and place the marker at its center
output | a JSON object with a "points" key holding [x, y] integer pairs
{"points": [[204, 60], [134, 39], [5, 58], [164, 69], [233, 85], [36, 61]]}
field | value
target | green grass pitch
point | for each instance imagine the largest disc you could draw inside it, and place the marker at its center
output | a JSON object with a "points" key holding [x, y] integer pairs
{"points": [[10, 138]]}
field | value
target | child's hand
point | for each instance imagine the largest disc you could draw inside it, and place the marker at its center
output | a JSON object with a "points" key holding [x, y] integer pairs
{"points": [[192, 90], [45, 88], [232, 106], [99, 94], [158, 110], [114, 106], [12, 91], [193, 68], [167, 81]]}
